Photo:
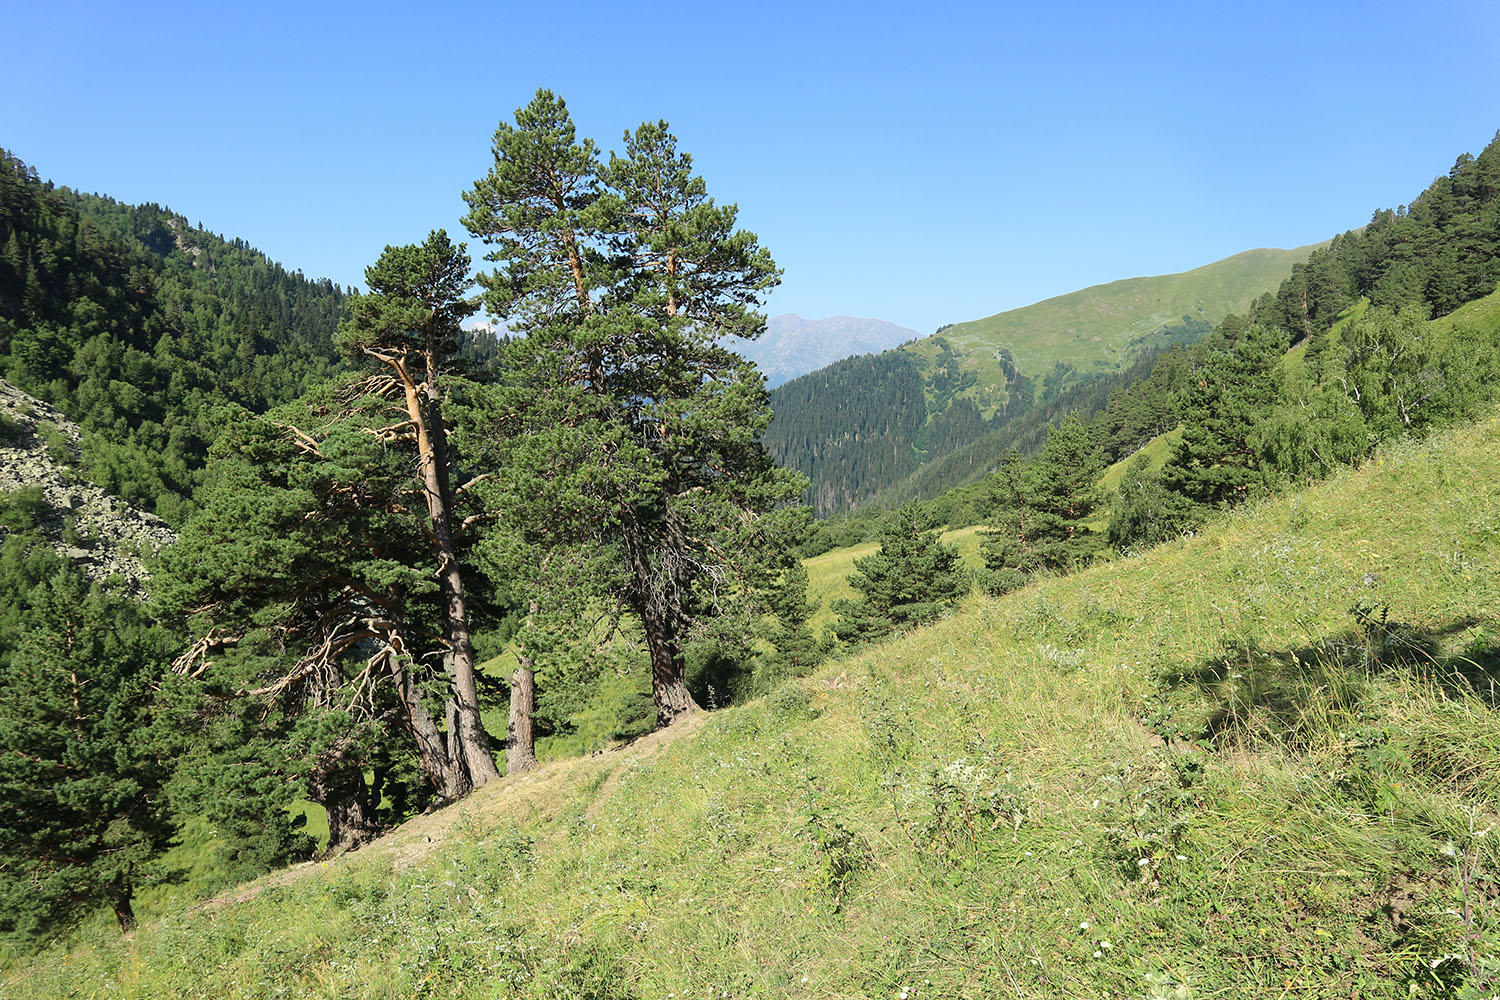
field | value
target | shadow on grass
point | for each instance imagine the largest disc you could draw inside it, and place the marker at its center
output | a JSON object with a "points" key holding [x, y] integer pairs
{"points": [[1290, 696]]}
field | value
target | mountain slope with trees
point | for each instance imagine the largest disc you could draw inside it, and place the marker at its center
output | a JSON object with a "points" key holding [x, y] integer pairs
{"points": [[1108, 326], [979, 378], [592, 496], [139, 327], [1431, 256], [40, 489], [1096, 785], [342, 557]]}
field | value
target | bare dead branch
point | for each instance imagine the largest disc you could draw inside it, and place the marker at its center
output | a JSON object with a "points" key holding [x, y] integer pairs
{"points": [[462, 531], [472, 483], [305, 442], [195, 661]]}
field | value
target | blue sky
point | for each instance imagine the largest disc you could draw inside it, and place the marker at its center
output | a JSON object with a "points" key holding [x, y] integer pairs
{"points": [[923, 167]]}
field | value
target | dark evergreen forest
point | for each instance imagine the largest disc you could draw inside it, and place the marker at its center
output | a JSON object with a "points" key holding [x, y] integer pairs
{"points": [[141, 327]]}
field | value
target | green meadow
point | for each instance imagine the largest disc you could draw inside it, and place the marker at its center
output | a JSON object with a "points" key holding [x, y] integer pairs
{"points": [[1258, 762]]}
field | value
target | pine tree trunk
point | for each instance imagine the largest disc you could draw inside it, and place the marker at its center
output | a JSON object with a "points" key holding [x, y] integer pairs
{"points": [[350, 822], [343, 794], [520, 744], [668, 679], [472, 742], [439, 765], [450, 729], [654, 605]]}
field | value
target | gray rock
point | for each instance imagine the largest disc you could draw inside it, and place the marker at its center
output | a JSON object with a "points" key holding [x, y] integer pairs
{"points": [[114, 530]]}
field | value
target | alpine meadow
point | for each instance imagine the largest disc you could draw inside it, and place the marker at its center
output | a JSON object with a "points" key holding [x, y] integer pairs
{"points": [[493, 630]]}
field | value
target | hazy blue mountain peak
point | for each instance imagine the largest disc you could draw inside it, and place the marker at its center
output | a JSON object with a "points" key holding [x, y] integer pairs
{"points": [[793, 346]]}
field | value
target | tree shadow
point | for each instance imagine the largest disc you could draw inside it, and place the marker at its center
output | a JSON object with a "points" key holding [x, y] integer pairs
{"points": [[1290, 695]]}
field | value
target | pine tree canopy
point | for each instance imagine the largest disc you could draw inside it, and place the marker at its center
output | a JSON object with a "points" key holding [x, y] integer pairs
{"points": [[85, 817]]}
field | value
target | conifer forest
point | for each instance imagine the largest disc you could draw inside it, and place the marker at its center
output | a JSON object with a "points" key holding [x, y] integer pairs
{"points": [[498, 614]]}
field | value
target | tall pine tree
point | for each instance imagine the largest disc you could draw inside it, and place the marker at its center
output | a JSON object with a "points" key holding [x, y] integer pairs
{"points": [[623, 281], [85, 821], [408, 328]]}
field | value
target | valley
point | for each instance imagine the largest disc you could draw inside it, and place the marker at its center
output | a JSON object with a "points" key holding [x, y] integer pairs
{"points": [[1138, 642]]}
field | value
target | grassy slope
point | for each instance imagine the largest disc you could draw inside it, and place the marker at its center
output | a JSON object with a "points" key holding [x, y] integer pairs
{"points": [[1158, 450], [1484, 313], [975, 809], [1092, 328]]}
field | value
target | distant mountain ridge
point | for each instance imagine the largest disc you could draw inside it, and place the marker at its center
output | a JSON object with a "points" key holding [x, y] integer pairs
{"points": [[1103, 328], [793, 346]]}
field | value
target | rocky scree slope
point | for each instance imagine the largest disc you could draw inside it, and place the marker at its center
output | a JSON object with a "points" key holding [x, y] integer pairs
{"points": [[39, 448]]}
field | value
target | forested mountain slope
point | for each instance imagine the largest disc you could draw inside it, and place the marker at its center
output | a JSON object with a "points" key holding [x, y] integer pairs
{"points": [[138, 326], [978, 378], [1438, 253], [1197, 772]]}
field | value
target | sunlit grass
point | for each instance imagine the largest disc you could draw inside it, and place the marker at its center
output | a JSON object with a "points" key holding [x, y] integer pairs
{"points": [[1193, 768]]}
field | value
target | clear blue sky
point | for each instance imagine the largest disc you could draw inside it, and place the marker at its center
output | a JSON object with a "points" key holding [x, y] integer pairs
{"points": [[918, 166]]}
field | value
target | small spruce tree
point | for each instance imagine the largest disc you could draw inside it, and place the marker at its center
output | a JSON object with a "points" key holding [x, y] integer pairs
{"points": [[1232, 390], [1041, 508], [796, 647]]}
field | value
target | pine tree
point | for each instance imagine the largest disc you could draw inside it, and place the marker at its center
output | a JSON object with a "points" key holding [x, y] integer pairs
{"points": [[910, 581], [1234, 385], [409, 327], [84, 822], [638, 428], [1009, 546], [320, 628], [1064, 494], [797, 648], [1041, 508]]}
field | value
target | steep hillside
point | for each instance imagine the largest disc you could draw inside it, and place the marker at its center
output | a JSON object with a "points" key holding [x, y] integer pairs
{"points": [[139, 326], [1105, 327], [793, 346], [1481, 315], [1260, 762]]}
